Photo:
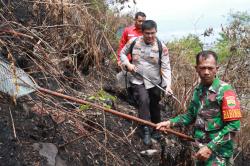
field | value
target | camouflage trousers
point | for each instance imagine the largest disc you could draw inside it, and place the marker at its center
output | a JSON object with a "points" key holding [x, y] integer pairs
{"points": [[216, 161]]}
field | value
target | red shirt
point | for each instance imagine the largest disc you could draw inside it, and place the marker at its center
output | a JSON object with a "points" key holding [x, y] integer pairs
{"points": [[128, 33]]}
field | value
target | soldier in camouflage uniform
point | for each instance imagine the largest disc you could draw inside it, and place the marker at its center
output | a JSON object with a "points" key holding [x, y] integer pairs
{"points": [[215, 112]]}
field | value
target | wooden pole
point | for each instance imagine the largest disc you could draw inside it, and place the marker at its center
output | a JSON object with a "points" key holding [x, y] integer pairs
{"points": [[120, 114]]}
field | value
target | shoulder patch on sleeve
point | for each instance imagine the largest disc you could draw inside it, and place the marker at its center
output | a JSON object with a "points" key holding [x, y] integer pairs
{"points": [[230, 106]]}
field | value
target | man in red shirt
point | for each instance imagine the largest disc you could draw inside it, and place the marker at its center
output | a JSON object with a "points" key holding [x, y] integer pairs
{"points": [[131, 32]]}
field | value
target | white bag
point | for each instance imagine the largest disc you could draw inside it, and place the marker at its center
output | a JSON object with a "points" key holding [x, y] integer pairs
{"points": [[122, 78]]}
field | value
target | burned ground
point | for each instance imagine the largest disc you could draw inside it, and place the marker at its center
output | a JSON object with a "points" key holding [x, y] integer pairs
{"points": [[71, 53]]}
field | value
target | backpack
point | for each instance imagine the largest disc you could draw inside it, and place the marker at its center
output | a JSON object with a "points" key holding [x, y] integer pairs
{"points": [[159, 48], [131, 99]]}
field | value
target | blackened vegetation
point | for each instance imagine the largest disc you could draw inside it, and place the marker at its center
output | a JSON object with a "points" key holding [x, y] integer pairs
{"points": [[176, 152], [65, 46]]}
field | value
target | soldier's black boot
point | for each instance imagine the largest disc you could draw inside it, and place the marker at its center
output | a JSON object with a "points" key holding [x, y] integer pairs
{"points": [[146, 135]]}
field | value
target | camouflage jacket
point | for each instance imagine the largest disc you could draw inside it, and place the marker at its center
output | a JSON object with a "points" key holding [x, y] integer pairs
{"points": [[215, 113]]}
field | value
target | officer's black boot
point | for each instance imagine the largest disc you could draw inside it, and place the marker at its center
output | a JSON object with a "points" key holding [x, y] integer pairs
{"points": [[146, 135]]}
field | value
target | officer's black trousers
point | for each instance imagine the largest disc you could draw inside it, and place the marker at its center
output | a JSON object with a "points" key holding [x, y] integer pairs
{"points": [[148, 102]]}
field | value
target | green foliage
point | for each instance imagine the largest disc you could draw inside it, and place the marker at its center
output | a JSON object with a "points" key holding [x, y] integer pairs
{"points": [[107, 106], [222, 48], [234, 37], [91, 97], [186, 47], [99, 5], [103, 97], [242, 17], [112, 57], [84, 107]]}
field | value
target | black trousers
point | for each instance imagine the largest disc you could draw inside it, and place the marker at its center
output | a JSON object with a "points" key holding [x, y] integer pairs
{"points": [[148, 102]]}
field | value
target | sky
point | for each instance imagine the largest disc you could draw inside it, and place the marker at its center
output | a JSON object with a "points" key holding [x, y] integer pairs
{"points": [[177, 18]]}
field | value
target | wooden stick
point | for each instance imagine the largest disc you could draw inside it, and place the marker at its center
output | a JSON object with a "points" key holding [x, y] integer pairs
{"points": [[120, 114], [13, 125]]}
